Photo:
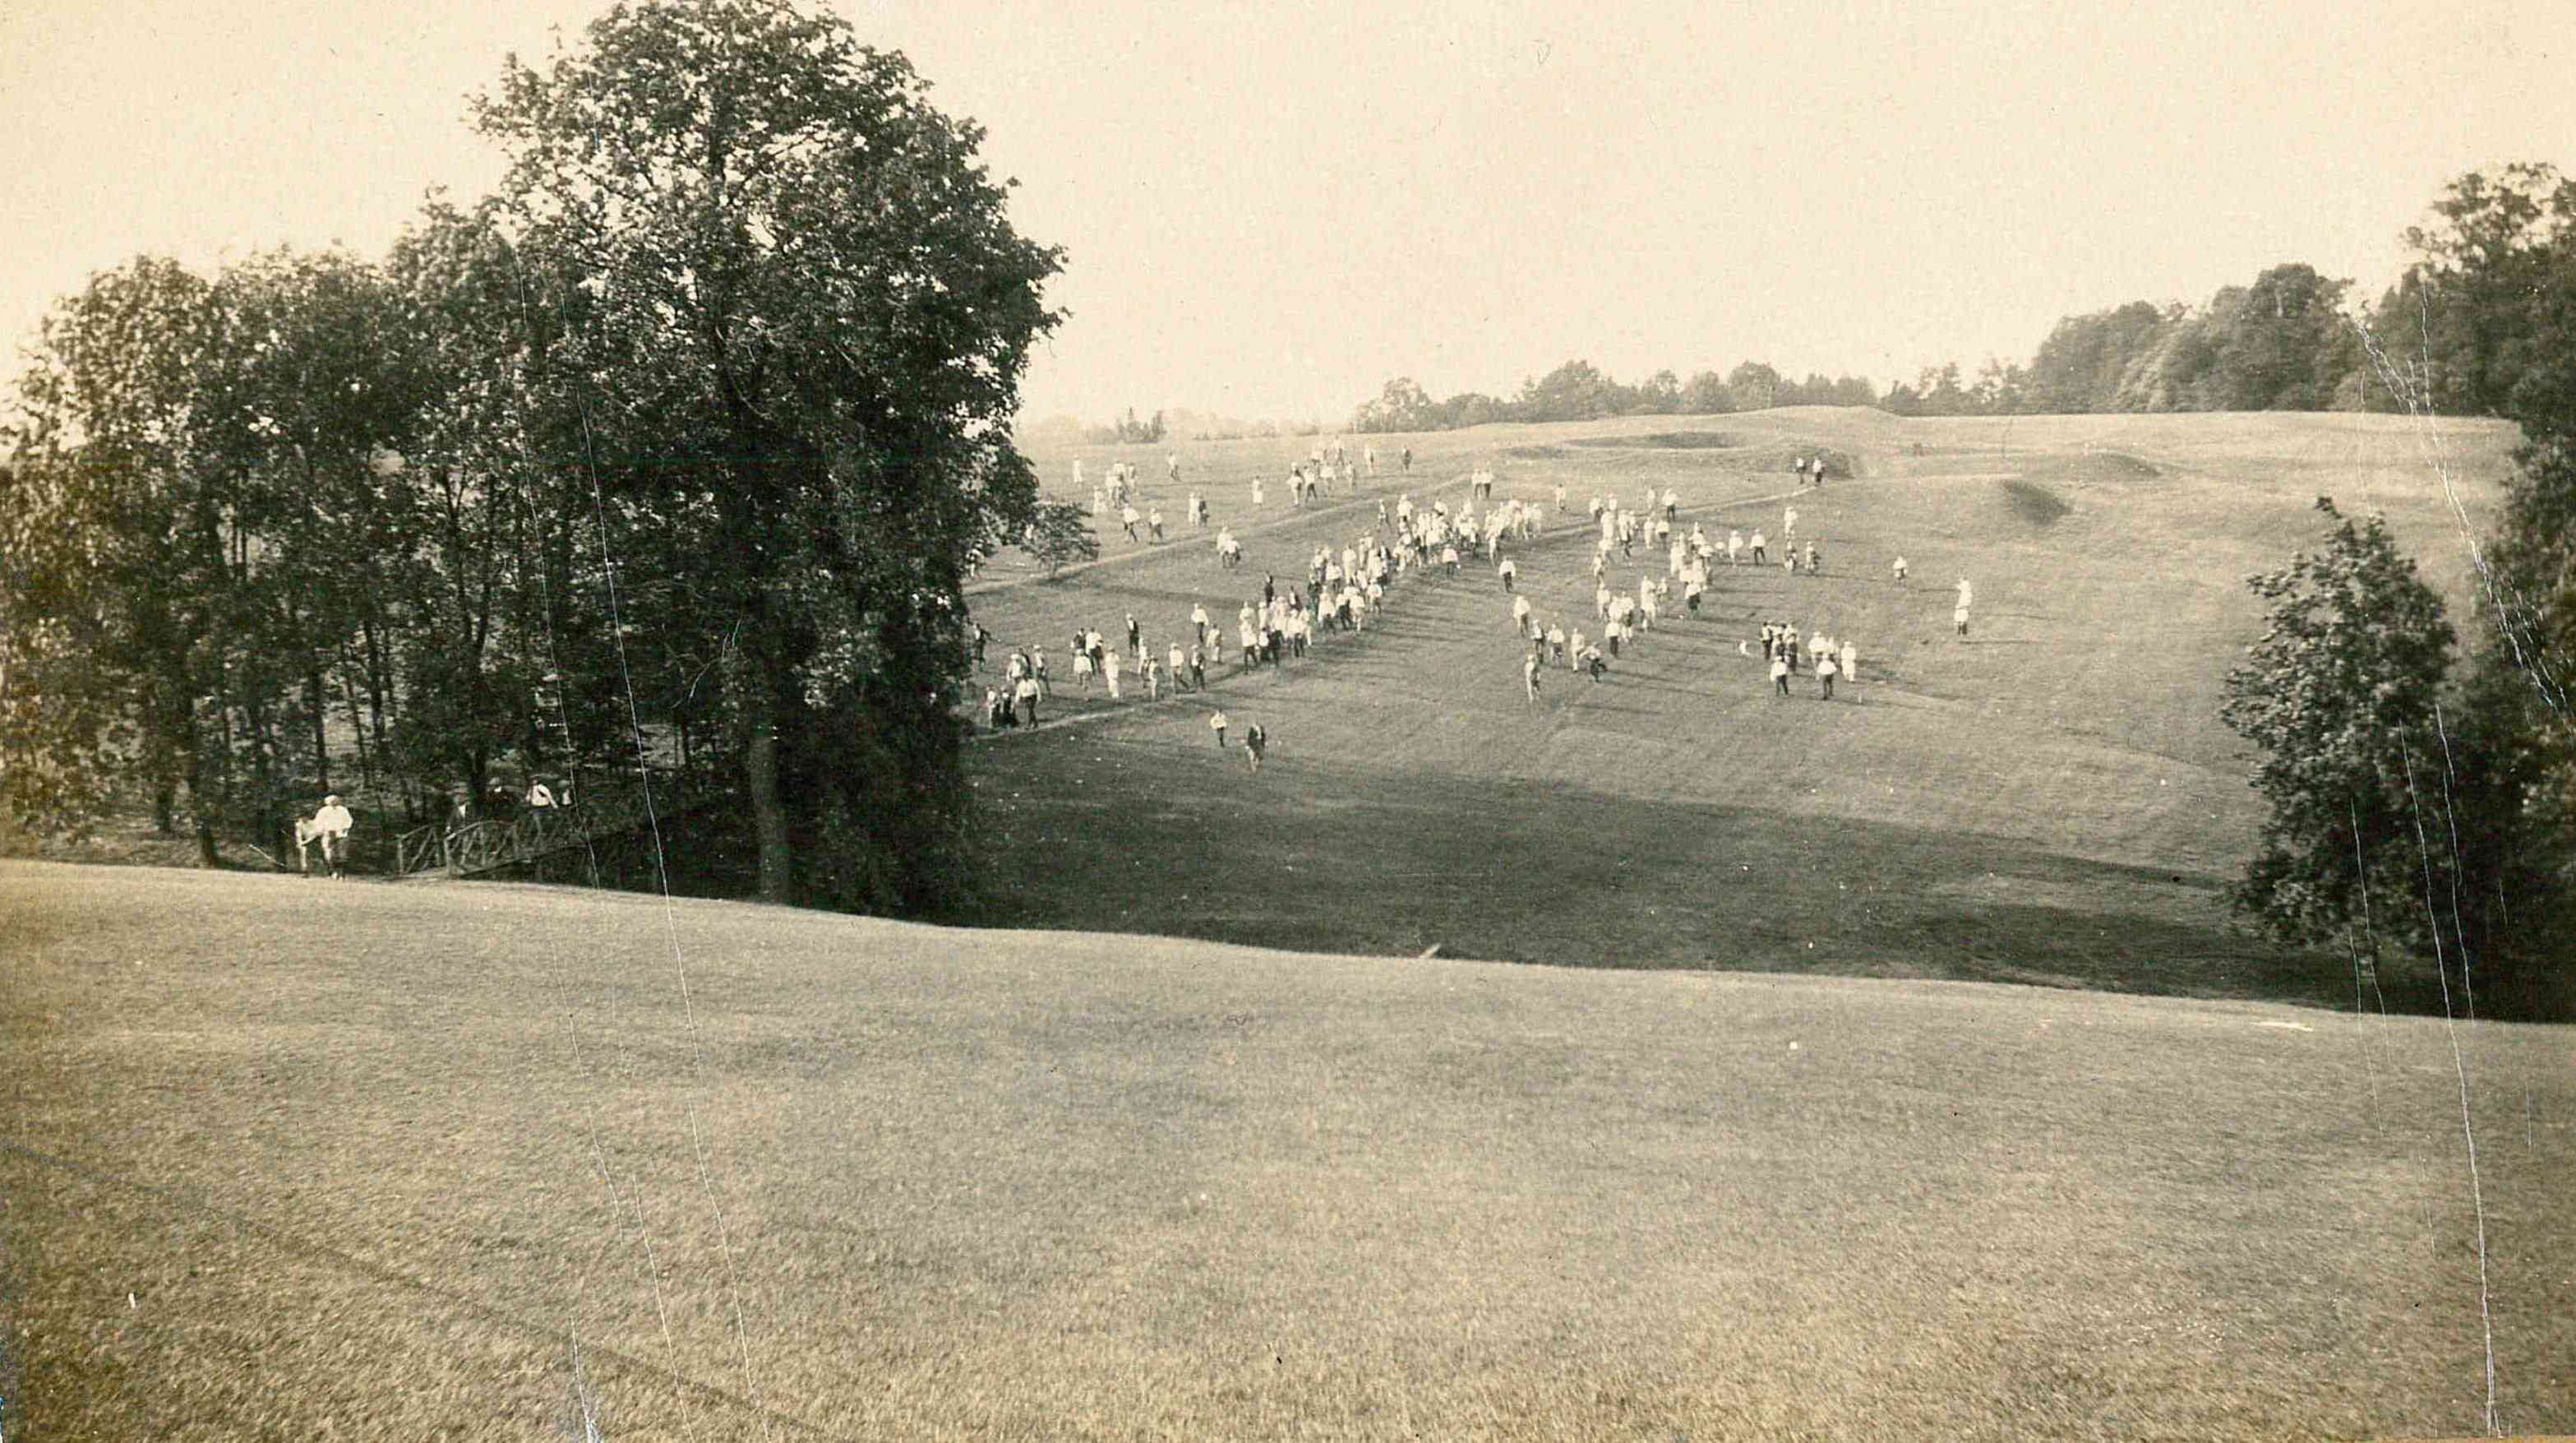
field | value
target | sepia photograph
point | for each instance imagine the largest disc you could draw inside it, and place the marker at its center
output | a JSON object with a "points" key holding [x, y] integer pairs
{"points": [[805, 719]]}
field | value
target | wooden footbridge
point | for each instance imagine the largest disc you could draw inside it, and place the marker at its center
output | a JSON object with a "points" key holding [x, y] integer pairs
{"points": [[535, 836]]}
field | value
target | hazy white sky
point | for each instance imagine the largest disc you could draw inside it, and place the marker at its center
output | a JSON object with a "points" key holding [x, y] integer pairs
{"points": [[1272, 209]]}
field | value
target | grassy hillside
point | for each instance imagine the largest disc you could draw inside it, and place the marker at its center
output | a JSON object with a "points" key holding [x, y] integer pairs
{"points": [[2051, 798], [291, 1159]]}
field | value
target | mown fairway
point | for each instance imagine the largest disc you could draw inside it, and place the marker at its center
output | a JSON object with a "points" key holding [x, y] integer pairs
{"points": [[2051, 799], [292, 1160]]}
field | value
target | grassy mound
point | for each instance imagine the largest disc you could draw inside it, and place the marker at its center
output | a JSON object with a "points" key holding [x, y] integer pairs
{"points": [[1667, 441], [2034, 503]]}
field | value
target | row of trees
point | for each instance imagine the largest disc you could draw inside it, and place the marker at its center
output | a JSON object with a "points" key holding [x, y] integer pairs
{"points": [[2422, 785], [2454, 335], [690, 430], [1581, 391]]}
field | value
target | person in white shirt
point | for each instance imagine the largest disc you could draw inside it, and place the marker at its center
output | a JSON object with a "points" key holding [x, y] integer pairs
{"points": [[1851, 661], [1734, 544], [1217, 724], [1672, 503], [329, 825], [1109, 672], [1825, 669], [1508, 572], [1780, 673], [1900, 571], [1789, 522], [1128, 518], [1179, 669], [1521, 615], [1760, 557]]}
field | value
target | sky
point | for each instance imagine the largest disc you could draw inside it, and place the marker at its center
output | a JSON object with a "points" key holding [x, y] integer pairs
{"points": [[1269, 211]]}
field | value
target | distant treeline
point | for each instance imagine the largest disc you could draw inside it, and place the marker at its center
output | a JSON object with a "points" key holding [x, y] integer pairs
{"points": [[2292, 340]]}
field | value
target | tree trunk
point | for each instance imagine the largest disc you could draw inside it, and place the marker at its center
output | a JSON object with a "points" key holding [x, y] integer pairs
{"points": [[321, 733], [760, 774]]}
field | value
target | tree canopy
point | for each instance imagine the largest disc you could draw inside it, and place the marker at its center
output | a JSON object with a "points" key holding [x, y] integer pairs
{"points": [[681, 441]]}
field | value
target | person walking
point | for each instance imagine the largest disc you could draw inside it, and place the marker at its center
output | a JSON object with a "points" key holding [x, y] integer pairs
{"points": [[1529, 675], [330, 826], [1780, 673], [1825, 670], [1217, 724], [1255, 741]]}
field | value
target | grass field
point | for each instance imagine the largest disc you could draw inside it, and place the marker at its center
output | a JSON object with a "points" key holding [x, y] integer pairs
{"points": [[295, 1159], [2051, 799]]}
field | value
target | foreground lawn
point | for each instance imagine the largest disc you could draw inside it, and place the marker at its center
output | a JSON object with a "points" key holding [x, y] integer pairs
{"points": [[291, 1159]]}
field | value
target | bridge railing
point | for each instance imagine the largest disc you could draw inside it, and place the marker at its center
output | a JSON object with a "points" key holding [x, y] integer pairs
{"points": [[487, 843]]}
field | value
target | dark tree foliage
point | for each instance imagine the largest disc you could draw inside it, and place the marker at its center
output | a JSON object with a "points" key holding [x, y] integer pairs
{"points": [[1058, 535], [2340, 695], [795, 320]]}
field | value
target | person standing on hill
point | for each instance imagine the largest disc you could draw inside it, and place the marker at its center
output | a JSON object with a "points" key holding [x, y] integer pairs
{"points": [[1217, 724], [1529, 675], [1900, 571], [1135, 635], [1825, 669], [1780, 674], [1508, 571], [1179, 668], [1760, 556], [1521, 616], [1408, 460], [1851, 661], [1198, 668], [1028, 690], [1255, 741]]}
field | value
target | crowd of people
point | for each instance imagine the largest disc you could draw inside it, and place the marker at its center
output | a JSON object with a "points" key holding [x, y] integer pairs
{"points": [[1347, 587]]}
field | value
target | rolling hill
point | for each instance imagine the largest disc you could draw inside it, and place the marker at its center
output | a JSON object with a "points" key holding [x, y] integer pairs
{"points": [[298, 1159]]}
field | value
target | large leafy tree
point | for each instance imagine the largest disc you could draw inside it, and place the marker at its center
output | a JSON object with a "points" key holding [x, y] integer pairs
{"points": [[126, 546], [2486, 320], [795, 317], [2340, 693]]}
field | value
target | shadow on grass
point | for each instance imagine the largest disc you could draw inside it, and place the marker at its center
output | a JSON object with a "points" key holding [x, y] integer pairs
{"points": [[1340, 858]]}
